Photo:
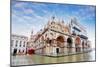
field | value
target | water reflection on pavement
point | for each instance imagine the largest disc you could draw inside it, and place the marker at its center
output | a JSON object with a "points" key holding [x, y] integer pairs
{"points": [[37, 59]]}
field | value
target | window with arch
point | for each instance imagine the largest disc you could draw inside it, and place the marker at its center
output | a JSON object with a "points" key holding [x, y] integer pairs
{"points": [[20, 43], [16, 43], [51, 34], [24, 44]]}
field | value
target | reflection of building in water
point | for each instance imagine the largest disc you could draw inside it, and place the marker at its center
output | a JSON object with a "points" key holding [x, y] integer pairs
{"points": [[18, 44], [60, 38]]}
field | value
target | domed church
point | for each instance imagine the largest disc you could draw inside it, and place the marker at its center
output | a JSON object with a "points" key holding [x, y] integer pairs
{"points": [[58, 38]]}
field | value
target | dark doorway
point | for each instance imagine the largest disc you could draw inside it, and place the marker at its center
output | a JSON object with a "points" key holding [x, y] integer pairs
{"points": [[69, 41], [57, 50], [15, 52]]}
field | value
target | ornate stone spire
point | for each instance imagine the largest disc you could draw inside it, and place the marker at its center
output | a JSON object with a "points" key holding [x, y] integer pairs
{"points": [[32, 32], [53, 18]]}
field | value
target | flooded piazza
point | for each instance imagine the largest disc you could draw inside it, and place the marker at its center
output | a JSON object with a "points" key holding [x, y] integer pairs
{"points": [[38, 59]]}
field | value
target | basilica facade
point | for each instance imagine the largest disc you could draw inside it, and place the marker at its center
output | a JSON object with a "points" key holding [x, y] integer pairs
{"points": [[58, 38]]}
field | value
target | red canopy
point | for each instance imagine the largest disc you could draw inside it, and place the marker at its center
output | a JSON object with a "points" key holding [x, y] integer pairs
{"points": [[31, 51]]}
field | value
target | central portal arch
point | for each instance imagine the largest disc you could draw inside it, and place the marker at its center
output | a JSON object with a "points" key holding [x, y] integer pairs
{"points": [[60, 41]]}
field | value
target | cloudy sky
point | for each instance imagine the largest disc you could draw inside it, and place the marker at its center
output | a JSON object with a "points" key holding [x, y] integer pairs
{"points": [[29, 15]]}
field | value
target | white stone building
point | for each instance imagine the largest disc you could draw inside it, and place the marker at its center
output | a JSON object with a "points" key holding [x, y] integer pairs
{"points": [[60, 38], [18, 44]]}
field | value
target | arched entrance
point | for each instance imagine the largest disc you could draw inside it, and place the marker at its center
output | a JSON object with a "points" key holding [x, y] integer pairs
{"points": [[69, 42], [77, 44], [60, 43]]}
